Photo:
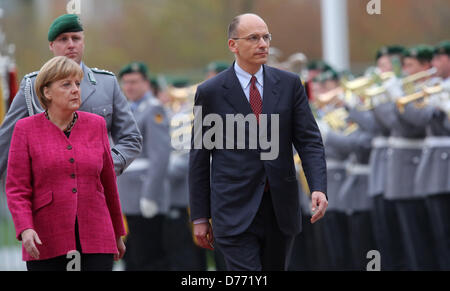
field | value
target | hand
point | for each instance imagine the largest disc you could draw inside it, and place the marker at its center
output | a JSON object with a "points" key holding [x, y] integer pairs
{"points": [[121, 247], [29, 238], [204, 235], [148, 207], [319, 200]]}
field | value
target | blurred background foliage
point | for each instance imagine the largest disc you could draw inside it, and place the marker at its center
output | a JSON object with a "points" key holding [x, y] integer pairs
{"points": [[183, 36]]}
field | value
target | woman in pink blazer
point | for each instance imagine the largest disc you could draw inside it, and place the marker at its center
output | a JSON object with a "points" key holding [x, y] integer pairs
{"points": [[61, 186]]}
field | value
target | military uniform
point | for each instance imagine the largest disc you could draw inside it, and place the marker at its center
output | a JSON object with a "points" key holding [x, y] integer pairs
{"points": [[337, 236], [383, 213], [405, 147], [353, 192], [142, 184], [183, 254], [432, 176]]}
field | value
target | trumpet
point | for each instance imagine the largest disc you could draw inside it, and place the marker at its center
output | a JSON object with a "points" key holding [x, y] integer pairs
{"points": [[424, 94], [409, 82], [180, 96]]}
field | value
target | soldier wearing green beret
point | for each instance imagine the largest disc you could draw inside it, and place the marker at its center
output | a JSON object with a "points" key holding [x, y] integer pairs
{"points": [[100, 94], [143, 195], [215, 68], [388, 57], [417, 59], [441, 61]]}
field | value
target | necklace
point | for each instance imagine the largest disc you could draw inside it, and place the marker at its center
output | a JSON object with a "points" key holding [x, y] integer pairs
{"points": [[71, 124]]}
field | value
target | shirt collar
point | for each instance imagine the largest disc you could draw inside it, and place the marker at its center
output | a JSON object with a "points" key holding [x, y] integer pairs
{"points": [[134, 105], [245, 78]]}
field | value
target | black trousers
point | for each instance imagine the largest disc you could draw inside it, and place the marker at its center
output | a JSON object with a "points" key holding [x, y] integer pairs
{"points": [[337, 240], [417, 232], [361, 238], [388, 235], [145, 247], [88, 262], [182, 253], [439, 208], [262, 247]]}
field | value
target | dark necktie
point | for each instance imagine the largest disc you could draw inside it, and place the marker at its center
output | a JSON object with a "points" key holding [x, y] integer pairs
{"points": [[256, 104], [255, 98]]}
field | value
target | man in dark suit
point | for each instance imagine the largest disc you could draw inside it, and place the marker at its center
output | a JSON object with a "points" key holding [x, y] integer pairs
{"points": [[253, 201]]}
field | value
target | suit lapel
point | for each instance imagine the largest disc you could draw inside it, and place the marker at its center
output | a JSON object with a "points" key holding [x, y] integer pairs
{"points": [[234, 94], [271, 93], [87, 86]]}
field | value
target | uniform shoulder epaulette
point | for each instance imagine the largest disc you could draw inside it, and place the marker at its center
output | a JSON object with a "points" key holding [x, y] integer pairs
{"points": [[105, 72], [31, 75]]}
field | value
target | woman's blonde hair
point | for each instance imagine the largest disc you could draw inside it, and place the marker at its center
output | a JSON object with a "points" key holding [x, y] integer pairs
{"points": [[55, 69]]}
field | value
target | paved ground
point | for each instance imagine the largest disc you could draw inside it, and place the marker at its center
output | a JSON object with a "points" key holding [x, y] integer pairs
{"points": [[11, 260]]}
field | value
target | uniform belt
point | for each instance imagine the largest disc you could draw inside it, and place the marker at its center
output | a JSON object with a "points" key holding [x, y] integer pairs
{"points": [[333, 164], [405, 143], [380, 142], [437, 141], [138, 164], [358, 169]]}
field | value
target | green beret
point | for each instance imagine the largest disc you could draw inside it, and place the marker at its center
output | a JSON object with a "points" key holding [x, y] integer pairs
{"points": [[389, 51], [318, 65], [443, 48], [64, 23], [217, 67], [328, 75], [423, 53], [135, 67], [180, 82]]}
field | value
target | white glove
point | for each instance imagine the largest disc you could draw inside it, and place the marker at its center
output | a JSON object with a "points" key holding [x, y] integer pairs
{"points": [[148, 208]]}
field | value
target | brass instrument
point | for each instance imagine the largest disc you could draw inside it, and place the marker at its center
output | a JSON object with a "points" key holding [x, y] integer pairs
{"points": [[179, 96], [409, 82], [295, 63], [330, 96], [424, 94]]}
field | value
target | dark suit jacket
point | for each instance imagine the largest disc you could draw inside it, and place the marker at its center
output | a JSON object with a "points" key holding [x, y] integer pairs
{"points": [[229, 187]]}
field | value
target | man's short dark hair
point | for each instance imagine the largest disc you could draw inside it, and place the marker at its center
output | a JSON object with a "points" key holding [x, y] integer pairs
{"points": [[232, 28]]}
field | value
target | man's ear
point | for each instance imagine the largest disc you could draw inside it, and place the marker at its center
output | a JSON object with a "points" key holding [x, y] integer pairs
{"points": [[232, 46], [50, 46]]}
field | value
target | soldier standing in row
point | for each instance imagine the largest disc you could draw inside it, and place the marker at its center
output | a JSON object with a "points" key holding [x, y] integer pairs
{"points": [[403, 156], [141, 187], [432, 176]]}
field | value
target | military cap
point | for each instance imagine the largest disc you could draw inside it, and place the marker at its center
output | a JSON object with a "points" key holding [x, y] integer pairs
{"points": [[180, 82], [64, 23], [421, 52], [326, 76], [135, 67], [442, 48], [217, 67], [318, 65], [389, 51]]}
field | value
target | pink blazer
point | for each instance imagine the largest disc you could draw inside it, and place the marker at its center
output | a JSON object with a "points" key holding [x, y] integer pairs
{"points": [[52, 180]]}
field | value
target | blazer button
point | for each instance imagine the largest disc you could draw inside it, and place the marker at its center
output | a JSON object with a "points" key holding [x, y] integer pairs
{"points": [[72, 160], [69, 147], [444, 156], [74, 190]]}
